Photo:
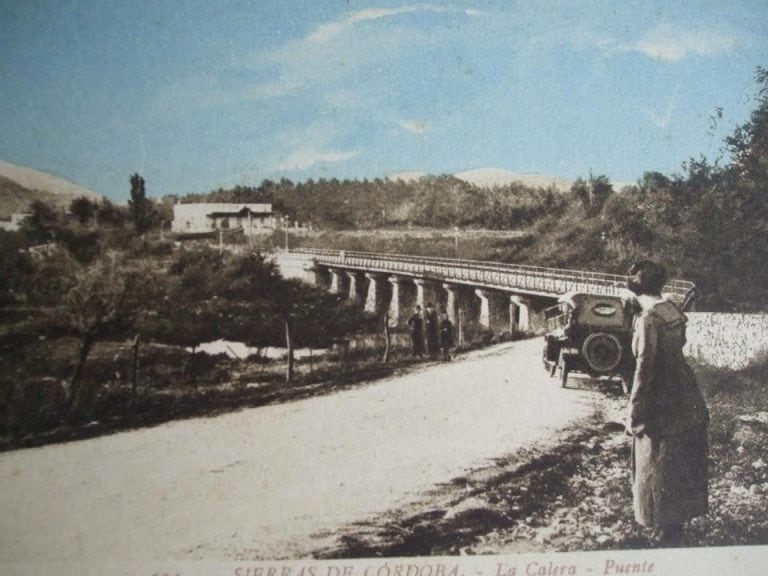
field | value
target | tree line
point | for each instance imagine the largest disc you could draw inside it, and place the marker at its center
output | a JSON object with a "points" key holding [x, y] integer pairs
{"points": [[99, 276], [430, 201], [708, 223]]}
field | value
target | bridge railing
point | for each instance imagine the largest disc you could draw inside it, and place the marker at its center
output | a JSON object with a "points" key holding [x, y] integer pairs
{"points": [[497, 274]]}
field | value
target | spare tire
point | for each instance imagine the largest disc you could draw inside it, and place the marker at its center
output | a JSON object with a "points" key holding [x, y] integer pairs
{"points": [[601, 352]]}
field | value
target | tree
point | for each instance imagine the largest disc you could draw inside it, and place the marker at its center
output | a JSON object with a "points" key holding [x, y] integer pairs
{"points": [[259, 307], [601, 190], [141, 209], [106, 299], [16, 268], [83, 209], [749, 142], [199, 272], [312, 317], [592, 194], [84, 244], [191, 311], [43, 223], [263, 307], [628, 234], [109, 214]]}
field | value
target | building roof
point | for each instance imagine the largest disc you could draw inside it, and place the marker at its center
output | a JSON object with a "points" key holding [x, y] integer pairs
{"points": [[223, 209]]}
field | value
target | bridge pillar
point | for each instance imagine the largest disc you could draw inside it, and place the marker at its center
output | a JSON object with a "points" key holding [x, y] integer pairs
{"points": [[493, 315], [402, 300], [513, 314], [353, 286], [323, 277], [519, 313], [485, 308], [452, 302], [419, 291], [429, 291], [337, 282], [375, 298], [461, 309]]}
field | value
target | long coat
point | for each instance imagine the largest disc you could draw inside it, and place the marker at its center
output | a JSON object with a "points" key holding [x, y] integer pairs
{"points": [[446, 333], [431, 330], [668, 419], [416, 323]]}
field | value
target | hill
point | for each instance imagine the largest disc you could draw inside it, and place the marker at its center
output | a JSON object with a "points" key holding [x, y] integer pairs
{"points": [[406, 176], [493, 177], [490, 177], [20, 186]]}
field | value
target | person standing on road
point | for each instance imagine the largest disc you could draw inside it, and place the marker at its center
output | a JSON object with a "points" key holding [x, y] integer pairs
{"points": [[416, 324], [431, 328], [446, 336], [667, 417]]}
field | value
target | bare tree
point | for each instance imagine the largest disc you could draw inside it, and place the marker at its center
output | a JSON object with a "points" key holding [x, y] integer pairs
{"points": [[106, 299]]}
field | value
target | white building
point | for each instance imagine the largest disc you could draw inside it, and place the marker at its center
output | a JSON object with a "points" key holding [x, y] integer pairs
{"points": [[198, 218]]}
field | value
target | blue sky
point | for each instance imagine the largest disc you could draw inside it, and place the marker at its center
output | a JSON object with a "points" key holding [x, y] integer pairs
{"points": [[200, 94]]}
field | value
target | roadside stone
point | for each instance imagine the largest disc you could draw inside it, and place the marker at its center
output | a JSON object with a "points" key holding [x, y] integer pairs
{"points": [[752, 430], [602, 491], [474, 507], [613, 426], [756, 418], [561, 512]]}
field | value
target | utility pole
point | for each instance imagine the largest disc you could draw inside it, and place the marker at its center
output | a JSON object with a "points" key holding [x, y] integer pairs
{"points": [[456, 240]]}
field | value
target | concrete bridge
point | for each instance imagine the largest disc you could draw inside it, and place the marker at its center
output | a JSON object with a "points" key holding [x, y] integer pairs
{"points": [[493, 295]]}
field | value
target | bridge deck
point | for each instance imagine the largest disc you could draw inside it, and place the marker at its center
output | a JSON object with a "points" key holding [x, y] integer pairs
{"points": [[497, 275]]}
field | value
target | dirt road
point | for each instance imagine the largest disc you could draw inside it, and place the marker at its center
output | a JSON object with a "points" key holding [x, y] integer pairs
{"points": [[277, 481]]}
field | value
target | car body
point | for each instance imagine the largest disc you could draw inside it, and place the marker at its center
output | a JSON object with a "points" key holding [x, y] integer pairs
{"points": [[591, 334]]}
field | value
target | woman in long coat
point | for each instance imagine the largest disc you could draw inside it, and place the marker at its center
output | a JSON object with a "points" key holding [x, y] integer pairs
{"points": [[667, 415], [446, 336], [431, 330], [416, 324]]}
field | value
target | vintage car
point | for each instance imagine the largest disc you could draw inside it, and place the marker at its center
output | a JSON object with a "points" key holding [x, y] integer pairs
{"points": [[591, 334]]}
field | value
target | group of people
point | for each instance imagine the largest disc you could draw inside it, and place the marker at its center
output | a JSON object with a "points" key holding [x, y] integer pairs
{"points": [[436, 333]]}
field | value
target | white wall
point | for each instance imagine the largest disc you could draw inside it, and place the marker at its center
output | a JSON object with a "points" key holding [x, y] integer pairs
{"points": [[723, 339]]}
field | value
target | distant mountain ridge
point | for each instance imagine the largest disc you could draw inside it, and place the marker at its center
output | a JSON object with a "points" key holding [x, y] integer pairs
{"points": [[20, 186], [490, 177]]}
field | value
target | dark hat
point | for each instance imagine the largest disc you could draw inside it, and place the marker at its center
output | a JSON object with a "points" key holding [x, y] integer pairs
{"points": [[646, 277]]}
